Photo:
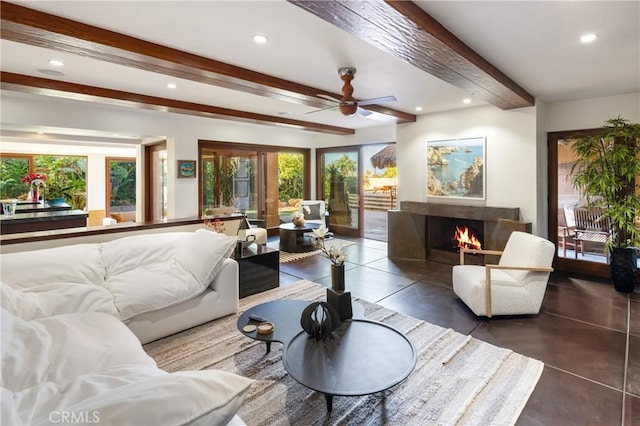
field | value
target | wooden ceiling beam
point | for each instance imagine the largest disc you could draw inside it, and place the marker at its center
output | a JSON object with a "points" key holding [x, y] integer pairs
{"points": [[402, 29], [61, 89], [28, 26]]}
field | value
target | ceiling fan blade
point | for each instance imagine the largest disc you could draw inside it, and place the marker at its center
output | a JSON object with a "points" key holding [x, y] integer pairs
{"points": [[381, 100], [363, 112], [322, 109], [329, 98]]}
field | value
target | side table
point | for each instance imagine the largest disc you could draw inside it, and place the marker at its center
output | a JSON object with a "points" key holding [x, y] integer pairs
{"points": [[295, 239], [259, 269]]}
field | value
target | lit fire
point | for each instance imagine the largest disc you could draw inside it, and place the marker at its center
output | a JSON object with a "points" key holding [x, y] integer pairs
{"points": [[466, 238]]}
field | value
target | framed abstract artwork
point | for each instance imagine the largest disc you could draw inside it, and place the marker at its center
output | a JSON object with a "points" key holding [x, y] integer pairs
{"points": [[455, 168]]}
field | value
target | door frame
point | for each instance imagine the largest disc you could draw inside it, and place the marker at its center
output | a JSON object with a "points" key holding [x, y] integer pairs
{"points": [[563, 263]]}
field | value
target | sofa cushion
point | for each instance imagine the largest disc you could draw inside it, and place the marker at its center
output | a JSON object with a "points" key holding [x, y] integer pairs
{"points": [[79, 263], [151, 272], [135, 395], [55, 298], [61, 348]]}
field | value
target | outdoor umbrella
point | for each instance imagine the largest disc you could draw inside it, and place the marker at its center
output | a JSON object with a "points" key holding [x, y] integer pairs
{"points": [[384, 158]]}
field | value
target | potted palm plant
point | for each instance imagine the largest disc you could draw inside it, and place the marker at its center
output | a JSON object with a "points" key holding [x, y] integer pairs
{"points": [[606, 170]]}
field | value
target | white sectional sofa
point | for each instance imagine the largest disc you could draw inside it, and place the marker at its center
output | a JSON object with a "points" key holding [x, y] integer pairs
{"points": [[157, 284], [74, 317]]}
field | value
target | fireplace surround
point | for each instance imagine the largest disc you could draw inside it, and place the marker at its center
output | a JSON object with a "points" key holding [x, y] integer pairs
{"points": [[413, 230]]}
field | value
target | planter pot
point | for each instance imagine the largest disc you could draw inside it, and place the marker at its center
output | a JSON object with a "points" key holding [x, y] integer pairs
{"points": [[56, 201], [624, 269]]}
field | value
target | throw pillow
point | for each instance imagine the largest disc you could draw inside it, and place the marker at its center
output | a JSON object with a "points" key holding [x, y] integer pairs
{"points": [[314, 212]]}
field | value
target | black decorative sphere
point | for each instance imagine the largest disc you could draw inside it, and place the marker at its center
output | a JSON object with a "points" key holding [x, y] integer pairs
{"points": [[319, 320]]}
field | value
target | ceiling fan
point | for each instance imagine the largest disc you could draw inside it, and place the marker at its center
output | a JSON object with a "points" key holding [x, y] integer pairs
{"points": [[347, 104]]}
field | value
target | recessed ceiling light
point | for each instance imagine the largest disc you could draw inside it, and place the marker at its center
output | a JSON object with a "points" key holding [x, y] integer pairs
{"points": [[588, 38], [418, 109], [56, 62], [171, 86], [466, 101], [260, 39]]}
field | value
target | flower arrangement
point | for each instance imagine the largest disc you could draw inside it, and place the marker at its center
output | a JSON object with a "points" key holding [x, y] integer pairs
{"points": [[336, 254], [215, 225], [32, 177]]}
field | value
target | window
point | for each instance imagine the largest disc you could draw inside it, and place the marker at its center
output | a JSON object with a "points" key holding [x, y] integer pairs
{"points": [[66, 177], [121, 185]]}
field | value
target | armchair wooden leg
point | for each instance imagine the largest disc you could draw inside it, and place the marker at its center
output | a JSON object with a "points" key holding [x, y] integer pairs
{"points": [[488, 290]]}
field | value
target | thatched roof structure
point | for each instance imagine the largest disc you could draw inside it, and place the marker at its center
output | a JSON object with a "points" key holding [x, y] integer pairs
{"points": [[384, 158]]}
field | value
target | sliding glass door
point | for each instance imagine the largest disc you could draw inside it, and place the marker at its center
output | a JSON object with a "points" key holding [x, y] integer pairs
{"points": [[265, 182], [230, 179], [340, 187]]}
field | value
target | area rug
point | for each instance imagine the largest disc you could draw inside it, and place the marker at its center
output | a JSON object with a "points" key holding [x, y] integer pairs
{"points": [[289, 257], [457, 379]]}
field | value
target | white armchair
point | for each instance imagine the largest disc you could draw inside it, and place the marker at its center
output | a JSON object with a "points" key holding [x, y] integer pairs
{"points": [[516, 285], [316, 213]]}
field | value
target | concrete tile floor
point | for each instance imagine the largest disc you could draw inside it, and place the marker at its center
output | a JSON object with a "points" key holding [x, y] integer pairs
{"points": [[587, 334]]}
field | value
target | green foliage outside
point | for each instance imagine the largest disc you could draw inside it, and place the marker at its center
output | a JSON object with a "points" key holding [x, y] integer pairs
{"points": [[11, 172], [122, 175], [208, 183], [67, 178], [290, 176], [343, 169]]}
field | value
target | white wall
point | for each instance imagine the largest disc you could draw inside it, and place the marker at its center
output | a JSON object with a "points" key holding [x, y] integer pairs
{"points": [[591, 113], [511, 153]]}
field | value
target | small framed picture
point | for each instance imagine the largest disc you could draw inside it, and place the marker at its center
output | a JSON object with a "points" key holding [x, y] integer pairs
{"points": [[186, 168]]}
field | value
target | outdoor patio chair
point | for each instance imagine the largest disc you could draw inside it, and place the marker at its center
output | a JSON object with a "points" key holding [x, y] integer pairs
{"points": [[592, 227], [566, 229]]}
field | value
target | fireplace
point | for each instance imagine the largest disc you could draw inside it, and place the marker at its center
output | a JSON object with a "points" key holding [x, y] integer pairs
{"points": [[445, 236], [424, 230]]}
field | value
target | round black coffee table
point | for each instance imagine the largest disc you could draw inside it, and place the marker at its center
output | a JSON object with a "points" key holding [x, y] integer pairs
{"points": [[365, 357], [285, 316], [295, 239]]}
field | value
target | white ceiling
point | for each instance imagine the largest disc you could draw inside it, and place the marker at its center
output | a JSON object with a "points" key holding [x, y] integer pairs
{"points": [[534, 43]]}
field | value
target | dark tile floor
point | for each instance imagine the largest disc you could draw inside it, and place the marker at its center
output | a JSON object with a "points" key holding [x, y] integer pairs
{"points": [[587, 334]]}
